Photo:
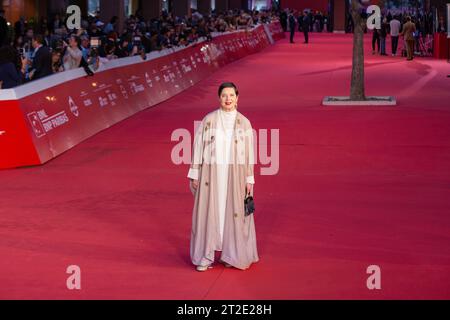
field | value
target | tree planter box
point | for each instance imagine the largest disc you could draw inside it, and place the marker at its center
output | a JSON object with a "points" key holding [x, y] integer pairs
{"points": [[370, 101]]}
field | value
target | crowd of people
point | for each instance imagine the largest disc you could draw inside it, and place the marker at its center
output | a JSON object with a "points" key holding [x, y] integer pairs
{"points": [[414, 26], [36, 50], [394, 28], [306, 21], [32, 50]]}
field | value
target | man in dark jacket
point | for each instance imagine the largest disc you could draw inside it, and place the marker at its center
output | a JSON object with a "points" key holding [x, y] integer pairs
{"points": [[292, 22], [283, 20], [306, 23], [42, 61], [300, 22]]}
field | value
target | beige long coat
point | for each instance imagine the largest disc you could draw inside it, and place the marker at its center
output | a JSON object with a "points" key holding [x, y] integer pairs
{"points": [[239, 237]]}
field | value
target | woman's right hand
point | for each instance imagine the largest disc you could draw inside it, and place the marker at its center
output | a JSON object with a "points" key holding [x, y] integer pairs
{"points": [[24, 61], [193, 185]]}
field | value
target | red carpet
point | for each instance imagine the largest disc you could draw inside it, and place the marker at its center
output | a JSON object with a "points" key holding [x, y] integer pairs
{"points": [[357, 186]]}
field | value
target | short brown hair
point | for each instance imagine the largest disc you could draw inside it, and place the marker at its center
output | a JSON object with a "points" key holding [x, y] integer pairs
{"points": [[228, 85], [38, 38]]}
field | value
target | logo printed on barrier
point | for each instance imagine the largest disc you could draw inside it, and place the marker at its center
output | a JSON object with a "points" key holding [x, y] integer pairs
{"points": [[112, 97], [36, 124], [73, 107], [2, 132], [124, 91], [42, 123], [122, 88], [172, 76], [193, 62], [103, 101], [148, 79], [87, 102], [136, 88]]}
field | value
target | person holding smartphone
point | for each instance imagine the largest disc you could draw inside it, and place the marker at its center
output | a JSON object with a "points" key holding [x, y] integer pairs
{"points": [[73, 55]]}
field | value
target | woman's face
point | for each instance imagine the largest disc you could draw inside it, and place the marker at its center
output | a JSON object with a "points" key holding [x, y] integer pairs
{"points": [[56, 57], [72, 42], [228, 99]]}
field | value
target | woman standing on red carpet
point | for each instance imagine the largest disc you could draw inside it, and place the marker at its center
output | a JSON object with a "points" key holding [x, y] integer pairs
{"points": [[221, 176]]}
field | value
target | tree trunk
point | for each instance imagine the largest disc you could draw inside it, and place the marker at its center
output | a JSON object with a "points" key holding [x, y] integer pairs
{"points": [[357, 90]]}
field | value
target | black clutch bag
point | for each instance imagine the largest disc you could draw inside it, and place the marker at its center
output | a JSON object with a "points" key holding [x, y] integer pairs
{"points": [[249, 205]]}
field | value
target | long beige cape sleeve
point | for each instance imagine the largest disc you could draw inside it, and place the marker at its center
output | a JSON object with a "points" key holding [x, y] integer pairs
{"points": [[197, 153]]}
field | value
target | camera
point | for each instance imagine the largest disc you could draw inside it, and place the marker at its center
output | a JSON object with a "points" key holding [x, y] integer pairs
{"points": [[137, 41], [95, 42]]}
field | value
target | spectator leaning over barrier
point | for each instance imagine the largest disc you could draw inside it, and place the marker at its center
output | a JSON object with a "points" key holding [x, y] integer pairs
{"points": [[73, 54]]}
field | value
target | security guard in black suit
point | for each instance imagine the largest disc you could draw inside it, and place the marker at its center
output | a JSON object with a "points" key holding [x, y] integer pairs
{"points": [[292, 22], [305, 26]]}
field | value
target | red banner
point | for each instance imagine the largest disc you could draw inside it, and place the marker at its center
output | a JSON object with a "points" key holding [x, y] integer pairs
{"points": [[441, 43], [40, 126]]}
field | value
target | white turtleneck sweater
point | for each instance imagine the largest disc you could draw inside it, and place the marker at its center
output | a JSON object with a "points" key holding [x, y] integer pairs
{"points": [[223, 151]]}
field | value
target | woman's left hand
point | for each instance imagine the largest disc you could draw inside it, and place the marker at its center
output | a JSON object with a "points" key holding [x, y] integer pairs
{"points": [[249, 189]]}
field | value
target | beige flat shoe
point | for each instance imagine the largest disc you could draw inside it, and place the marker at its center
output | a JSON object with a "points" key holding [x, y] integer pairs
{"points": [[203, 268]]}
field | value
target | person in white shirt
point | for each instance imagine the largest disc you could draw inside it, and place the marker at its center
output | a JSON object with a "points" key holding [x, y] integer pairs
{"points": [[395, 31], [73, 55]]}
